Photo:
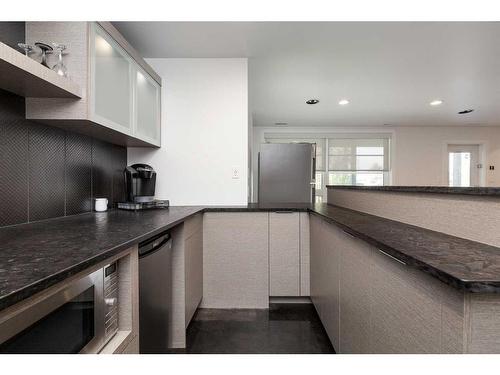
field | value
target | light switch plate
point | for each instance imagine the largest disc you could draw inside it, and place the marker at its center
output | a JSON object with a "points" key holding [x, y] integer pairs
{"points": [[236, 173]]}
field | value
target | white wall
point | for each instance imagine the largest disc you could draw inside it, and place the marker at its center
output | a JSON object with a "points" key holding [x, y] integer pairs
{"points": [[204, 132], [418, 154]]}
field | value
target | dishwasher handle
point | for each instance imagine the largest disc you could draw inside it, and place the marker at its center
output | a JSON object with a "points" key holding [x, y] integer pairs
{"points": [[155, 245]]}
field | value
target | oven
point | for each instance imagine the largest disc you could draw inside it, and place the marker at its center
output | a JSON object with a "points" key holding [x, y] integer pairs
{"points": [[81, 318]]}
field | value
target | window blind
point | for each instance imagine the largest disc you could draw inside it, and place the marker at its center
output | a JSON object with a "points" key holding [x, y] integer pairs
{"points": [[350, 154]]}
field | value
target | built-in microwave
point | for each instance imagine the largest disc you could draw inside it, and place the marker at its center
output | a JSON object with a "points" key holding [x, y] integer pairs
{"points": [[80, 318]]}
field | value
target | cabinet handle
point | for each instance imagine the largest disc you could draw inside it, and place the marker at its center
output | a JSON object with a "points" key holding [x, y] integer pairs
{"points": [[283, 212], [393, 258], [349, 234]]}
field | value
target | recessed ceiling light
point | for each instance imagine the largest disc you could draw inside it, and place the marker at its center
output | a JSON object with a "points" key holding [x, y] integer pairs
{"points": [[344, 102], [436, 102], [465, 111], [312, 101], [281, 123]]}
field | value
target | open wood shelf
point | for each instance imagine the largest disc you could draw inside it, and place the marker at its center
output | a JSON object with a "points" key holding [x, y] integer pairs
{"points": [[26, 77]]}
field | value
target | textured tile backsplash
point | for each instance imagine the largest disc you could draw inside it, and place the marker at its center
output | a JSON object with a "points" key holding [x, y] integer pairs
{"points": [[47, 172]]}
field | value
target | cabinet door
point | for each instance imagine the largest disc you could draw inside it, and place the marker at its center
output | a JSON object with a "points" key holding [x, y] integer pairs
{"points": [[236, 260], [405, 308], [111, 82], [315, 259], [324, 258], [355, 283], [331, 280], [147, 108], [193, 249], [284, 254]]}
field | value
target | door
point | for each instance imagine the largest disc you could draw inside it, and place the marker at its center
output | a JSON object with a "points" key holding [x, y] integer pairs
{"points": [[463, 165], [286, 172], [111, 82], [147, 108]]}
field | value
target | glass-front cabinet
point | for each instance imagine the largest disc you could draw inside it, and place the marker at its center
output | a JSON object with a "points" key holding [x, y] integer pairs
{"points": [[112, 84], [123, 96], [121, 93], [147, 107]]}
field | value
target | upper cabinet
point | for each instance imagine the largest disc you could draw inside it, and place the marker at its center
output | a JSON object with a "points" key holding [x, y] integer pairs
{"points": [[121, 93]]}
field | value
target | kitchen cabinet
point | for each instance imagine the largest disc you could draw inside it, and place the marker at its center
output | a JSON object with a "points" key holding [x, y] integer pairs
{"points": [[370, 302], [236, 260], [112, 87], [325, 277], [121, 93], [147, 108], [193, 264], [354, 287], [405, 308], [284, 253]]}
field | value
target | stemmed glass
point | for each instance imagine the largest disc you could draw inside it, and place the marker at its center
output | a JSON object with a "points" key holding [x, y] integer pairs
{"points": [[60, 68], [28, 48], [46, 49]]}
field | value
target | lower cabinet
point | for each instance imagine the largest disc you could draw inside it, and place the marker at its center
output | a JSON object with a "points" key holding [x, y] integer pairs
{"points": [[236, 260], [369, 302], [355, 285], [193, 264], [325, 277], [284, 253]]}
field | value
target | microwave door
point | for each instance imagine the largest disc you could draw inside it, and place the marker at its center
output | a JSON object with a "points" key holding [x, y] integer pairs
{"points": [[69, 321]]}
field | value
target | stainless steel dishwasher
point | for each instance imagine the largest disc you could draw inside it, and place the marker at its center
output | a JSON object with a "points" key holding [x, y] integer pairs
{"points": [[155, 295]]}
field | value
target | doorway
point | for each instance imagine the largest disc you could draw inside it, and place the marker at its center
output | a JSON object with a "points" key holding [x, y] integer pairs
{"points": [[464, 165]]}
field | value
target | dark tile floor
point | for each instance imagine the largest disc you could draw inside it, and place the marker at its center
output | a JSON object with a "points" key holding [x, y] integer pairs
{"points": [[283, 329]]}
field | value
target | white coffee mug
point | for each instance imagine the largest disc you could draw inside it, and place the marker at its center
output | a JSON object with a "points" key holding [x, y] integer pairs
{"points": [[101, 204]]}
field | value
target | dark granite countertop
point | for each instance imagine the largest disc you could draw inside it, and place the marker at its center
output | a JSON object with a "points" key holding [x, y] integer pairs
{"points": [[38, 255], [464, 264], [480, 191]]}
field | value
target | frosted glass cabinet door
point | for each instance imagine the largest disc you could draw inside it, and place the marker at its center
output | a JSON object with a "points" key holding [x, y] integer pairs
{"points": [[147, 125], [112, 82]]}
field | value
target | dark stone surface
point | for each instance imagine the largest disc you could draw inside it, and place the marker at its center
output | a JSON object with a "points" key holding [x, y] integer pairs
{"points": [[37, 255], [480, 191], [283, 329], [461, 263]]}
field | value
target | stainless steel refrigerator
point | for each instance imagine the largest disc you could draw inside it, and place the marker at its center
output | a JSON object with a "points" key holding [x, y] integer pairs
{"points": [[286, 172]]}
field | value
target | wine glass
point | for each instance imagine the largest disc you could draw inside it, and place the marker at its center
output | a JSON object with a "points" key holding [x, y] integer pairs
{"points": [[28, 48], [46, 50], [60, 68]]}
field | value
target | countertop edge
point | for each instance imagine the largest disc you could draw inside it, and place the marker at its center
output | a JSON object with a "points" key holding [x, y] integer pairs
{"points": [[474, 191]]}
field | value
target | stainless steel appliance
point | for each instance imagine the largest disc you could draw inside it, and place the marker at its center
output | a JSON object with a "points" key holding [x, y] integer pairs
{"points": [[155, 295], [287, 173], [81, 318], [140, 181]]}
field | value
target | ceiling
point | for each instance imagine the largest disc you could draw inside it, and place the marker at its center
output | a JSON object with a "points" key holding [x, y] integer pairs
{"points": [[389, 71]]}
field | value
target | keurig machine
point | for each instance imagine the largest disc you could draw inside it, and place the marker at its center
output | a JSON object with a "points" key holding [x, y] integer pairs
{"points": [[140, 182]]}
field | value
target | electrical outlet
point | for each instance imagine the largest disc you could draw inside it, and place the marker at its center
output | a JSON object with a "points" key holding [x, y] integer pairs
{"points": [[236, 174]]}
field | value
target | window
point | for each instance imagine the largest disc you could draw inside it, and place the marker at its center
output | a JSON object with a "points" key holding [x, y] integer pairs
{"points": [[356, 161]]}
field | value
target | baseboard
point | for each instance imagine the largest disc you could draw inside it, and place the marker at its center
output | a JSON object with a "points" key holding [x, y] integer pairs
{"points": [[290, 300]]}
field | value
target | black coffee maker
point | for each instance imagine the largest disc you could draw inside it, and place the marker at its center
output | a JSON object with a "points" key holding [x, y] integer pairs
{"points": [[140, 182]]}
